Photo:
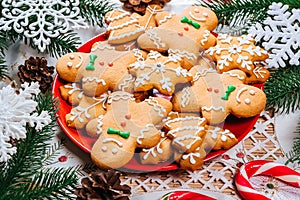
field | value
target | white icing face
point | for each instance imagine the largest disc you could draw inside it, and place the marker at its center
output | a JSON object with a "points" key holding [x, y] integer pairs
{"points": [[198, 16], [241, 92]]}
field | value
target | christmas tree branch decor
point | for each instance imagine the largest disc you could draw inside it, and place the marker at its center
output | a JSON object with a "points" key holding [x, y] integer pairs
{"points": [[294, 155], [243, 12], [283, 89], [3, 47], [25, 146]]}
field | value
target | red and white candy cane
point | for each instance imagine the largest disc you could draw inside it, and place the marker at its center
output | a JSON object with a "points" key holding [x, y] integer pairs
{"points": [[267, 168]]}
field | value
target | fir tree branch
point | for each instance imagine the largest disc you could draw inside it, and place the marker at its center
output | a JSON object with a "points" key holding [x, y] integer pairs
{"points": [[94, 10], [24, 168], [3, 48], [283, 89], [235, 13], [294, 155], [59, 46]]}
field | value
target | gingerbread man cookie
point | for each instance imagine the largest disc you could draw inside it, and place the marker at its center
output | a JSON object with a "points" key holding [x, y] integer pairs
{"points": [[217, 95], [89, 108], [239, 53], [161, 152], [217, 138], [159, 72], [148, 19], [94, 70], [183, 34], [122, 27], [71, 93], [127, 125]]}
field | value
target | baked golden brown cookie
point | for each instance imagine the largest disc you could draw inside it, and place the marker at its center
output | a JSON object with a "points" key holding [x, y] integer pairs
{"points": [[239, 53]]}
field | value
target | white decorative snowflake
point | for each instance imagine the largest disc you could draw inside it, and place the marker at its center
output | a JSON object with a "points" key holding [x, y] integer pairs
{"points": [[51, 19], [281, 35], [16, 111]]}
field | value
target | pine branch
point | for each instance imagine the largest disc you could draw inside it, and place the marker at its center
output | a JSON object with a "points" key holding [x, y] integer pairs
{"points": [[94, 10], [235, 13], [3, 48], [24, 168], [52, 152], [283, 89], [56, 183], [59, 46], [294, 155]]}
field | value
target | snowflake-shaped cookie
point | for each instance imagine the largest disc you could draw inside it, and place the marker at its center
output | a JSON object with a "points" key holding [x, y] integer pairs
{"points": [[52, 18], [281, 35], [239, 53], [16, 111], [159, 72]]}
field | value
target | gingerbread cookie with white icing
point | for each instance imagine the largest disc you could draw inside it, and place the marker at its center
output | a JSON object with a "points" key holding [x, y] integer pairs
{"points": [[184, 34], [127, 125], [72, 93], [161, 152], [191, 161], [101, 70], [122, 27], [89, 108], [218, 95], [160, 72], [239, 53], [148, 19], [217, 138]]}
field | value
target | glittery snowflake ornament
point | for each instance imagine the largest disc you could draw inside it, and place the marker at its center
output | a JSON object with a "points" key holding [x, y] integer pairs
{"points": [[16, 111], [281, 35], [41, 20]]}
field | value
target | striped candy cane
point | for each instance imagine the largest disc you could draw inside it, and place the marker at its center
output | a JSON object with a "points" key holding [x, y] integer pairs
{"points": [[267, 168]]}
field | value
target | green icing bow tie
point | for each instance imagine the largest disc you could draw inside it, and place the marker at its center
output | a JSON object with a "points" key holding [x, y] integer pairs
{"points": [[91, 65], [187, 20], [118, 132], [230, 89]]}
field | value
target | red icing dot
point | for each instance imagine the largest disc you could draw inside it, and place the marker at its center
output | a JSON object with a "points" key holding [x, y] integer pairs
{"points": [[186, 28], [101, 63], [226, 157], [180, 34], [216, 91], [209, 89], [63, 159], [239, 164], [240, 155], [110, 64], [123, 124], [128, 116]]}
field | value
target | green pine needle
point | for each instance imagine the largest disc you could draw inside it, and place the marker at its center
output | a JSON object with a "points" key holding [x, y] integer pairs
{"points": [[23, 176], [3, 48], [283, 89], [294, 155], [244, 13], [94, 10]]}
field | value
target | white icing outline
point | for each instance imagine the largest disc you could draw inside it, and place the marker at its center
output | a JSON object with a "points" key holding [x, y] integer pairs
{"points": [[205, 37], [190, 155], [197, 18], [99, 124], [116, 96], [74, 88], [142, 135], [152, 152], [205, 108], [107, 140], [234, 75], [165, 19], [185, 98], [238, 94], [96, 79], [80, 63], [124, 14], [200, 120], [153, 36]]}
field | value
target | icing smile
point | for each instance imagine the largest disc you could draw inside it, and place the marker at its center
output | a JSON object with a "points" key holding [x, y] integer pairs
{"points": [[200, 19]]}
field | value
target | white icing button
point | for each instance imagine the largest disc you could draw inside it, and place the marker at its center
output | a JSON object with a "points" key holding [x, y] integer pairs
{"points": [[69, 64], [72, 57], [104, 148], [252, 92], [114, 150], [205, 14], [247, 101], [196, 10]]}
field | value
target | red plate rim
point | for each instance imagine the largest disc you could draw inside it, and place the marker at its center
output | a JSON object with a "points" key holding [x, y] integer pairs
{"points": [[245, 125]]}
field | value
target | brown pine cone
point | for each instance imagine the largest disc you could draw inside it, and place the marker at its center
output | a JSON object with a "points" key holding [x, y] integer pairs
{"points": [[139, 6], [36, 70], [103, 185]]}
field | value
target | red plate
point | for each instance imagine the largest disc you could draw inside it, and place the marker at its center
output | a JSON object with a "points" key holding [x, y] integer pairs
{"points": [[238, 126]]}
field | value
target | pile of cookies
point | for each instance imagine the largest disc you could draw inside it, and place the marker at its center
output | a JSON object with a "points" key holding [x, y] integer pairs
{"points": [[160, 86]]}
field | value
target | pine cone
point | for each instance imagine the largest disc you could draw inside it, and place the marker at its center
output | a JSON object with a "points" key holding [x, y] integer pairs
{"points": [[103, 185], [36, 70], [140, 6]]}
